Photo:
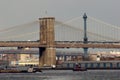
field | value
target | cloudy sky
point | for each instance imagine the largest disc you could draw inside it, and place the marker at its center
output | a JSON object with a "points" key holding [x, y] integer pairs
{"points": [[15, 12]]}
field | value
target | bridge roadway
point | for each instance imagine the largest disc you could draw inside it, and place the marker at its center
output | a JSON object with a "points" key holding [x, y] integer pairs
{"points": [[61, 44]]}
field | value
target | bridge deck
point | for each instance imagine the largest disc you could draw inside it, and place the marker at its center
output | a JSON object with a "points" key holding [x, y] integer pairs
{"points": [[35, 44]]}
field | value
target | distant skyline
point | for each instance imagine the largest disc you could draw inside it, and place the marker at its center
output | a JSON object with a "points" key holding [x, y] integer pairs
{"points": [[16, 12]]}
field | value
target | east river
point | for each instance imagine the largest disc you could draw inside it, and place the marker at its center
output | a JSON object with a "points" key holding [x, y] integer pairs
{"points": [[64, 75]]}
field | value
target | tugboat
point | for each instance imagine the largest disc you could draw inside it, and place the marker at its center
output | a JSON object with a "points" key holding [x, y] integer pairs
{"points": [[78, 68], [34, 69]]}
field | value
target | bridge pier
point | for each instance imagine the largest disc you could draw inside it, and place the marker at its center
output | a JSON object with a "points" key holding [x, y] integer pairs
{"points": [[85, 56], [41, 56], [50, 57], [47, 55]]}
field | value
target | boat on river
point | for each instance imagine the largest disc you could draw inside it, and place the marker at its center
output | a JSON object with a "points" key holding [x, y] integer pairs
{"points": [[78, 68]]}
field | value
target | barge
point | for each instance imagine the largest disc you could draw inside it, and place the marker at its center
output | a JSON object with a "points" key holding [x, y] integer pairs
{"points": [[93, 64]]}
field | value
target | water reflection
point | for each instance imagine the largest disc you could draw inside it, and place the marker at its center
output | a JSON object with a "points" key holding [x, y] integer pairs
{"points": [[64, 75]]}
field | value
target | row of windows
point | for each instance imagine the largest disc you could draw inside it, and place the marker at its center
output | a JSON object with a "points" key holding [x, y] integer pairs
{"points": [[93, 65]]}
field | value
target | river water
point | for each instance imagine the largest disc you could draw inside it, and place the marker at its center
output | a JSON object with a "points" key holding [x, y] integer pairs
{"points": [[64, 75]]}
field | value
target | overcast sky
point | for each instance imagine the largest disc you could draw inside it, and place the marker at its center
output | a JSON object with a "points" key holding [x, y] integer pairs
{"points": [[15, 12]]}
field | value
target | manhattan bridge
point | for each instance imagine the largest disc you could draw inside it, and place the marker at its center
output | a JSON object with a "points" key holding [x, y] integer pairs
{"points": [[48, 34]]}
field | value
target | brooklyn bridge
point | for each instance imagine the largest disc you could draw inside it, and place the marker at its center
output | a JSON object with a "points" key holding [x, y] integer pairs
{"points": [[47, 34]]}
